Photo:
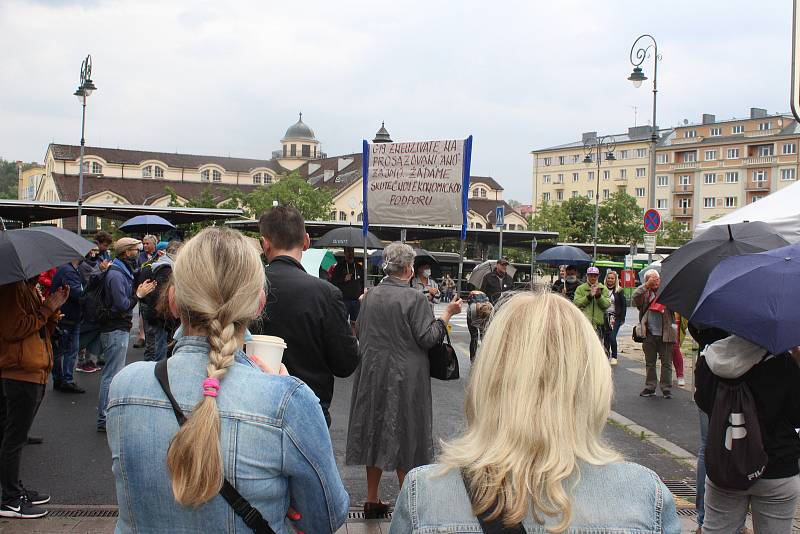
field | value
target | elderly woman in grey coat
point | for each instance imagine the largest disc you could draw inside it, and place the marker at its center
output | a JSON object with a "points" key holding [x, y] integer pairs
{"points": [[391, 412]]}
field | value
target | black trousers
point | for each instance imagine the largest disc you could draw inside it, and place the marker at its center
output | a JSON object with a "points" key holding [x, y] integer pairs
{"points": [[19, 402], [473, 341]]}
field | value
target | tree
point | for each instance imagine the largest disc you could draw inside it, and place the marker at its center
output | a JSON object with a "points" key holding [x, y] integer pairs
{"points": [[9, 177], [673, 234], [206, 199], [620, 220], [289, 190], [578, 213], [547, 218]]}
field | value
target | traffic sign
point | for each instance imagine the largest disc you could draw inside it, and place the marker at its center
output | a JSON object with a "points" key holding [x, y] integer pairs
{"points": [[650, 243], [499, 214], [652, 221]]}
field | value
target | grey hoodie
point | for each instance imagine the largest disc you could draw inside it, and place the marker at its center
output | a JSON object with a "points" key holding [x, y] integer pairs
{"points": [[733, 356], [164, 260]]}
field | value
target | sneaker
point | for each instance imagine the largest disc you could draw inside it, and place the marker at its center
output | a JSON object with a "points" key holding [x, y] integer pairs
{"points": [[71, 387], [87, 367], [681, 382], [36, 498], [647, 393], [614, 361], [667, 394], [139, 344], [21, 507]]}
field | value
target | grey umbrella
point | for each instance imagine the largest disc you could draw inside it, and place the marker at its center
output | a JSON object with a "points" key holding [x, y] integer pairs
{"points": [[480, 271], [347, 236], [30, 251]]}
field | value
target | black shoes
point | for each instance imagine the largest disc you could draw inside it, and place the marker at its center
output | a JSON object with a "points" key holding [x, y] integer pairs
{"points": [[667, 394], [375, 510], [23, 508], [67, 387], [35, 440], [647, 393], [36, 498], [138, 344]]}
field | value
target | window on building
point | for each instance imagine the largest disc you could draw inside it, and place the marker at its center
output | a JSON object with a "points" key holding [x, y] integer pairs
{"points": [[623, 173], [711, 155], [733, 153], [576, 158], [483, 192], [764, 150], [575, 194], [763, 126], [257, 178], [545, 179], [623, 154], [716, 132], [685, 203], [293, 150], [661, 203], [737, 129], [158, 172], [96, 168], [204, 175], [342, 216], [759, 176], [590, 176], [559, 195], [305, 151], [360, 217], [590, 193], [689, 157], [662, 181], [606, 175], [685, 179], [575, 177], [662, 158], [709, 178], [789, 148], [732, 177], [640, 192], [332, 216], [267, 178], [147, 172], [546, 196], [755, 198], [709, 202], [548, 161], [85, 167], [560, 179], [690, 134], [216, 176], [561, 160], [641, 172], [731, 202], [606, 193], [641, 152], [787, 175]]}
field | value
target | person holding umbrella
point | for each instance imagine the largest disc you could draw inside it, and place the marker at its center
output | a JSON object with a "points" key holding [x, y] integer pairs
{"points": [[348, 276], [497, 281], [660, 334], [26, 359], [568, 282]]}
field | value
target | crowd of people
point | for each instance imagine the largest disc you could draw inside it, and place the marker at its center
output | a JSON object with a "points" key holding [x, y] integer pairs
{"points": [[205, 436]]}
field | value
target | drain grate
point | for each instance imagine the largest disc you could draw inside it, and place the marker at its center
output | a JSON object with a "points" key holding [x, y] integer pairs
{"points": [[687, 512], [79, 511], [682, 488], [358, 514]]}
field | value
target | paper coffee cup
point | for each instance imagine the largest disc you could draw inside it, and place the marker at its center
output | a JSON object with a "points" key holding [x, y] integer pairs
{"points": [[268, 349]]}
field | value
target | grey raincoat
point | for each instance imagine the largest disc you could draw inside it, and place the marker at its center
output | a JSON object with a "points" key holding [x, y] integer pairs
{"points": [[391, 414]]}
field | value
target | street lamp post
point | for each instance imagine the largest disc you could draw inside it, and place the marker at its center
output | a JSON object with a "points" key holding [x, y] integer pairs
{"points": [[84, 90], [595, 149], [640, 52]]}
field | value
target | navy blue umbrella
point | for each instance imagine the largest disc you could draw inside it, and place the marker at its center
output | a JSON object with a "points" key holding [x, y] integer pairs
{"points": [[144, 224], [564, 255], [755, 296]]}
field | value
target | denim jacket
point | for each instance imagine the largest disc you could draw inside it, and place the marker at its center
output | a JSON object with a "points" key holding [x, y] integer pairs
{"points": [[275, 445], [618, 498]]}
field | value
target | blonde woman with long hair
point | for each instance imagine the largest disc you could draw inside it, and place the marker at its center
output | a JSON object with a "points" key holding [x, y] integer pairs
{"points": [[262, 432], [532, 452], [615, 314]]}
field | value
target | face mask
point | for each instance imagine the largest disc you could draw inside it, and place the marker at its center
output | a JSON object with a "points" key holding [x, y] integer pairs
{"points": [[426, 273], [572, 279]]}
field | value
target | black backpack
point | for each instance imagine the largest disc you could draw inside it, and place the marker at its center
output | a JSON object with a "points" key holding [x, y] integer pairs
{"points": [[94, 301], [735, 456]]}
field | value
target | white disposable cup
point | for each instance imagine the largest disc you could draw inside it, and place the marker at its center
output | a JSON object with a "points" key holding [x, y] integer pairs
{"points": [[268, 349]]}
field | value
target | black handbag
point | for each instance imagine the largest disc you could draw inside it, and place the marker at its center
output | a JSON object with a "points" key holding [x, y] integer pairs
{"points": [[443, 360]]}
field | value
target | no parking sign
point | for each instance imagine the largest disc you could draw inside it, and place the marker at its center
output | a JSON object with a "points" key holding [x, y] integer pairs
{"points": [[652, 221]]}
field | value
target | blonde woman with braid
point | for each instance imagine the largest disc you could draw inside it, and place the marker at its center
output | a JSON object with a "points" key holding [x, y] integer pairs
{"points": [[532, 451], [262, 432]]}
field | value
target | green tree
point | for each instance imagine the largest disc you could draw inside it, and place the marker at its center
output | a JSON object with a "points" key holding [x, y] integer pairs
{"points": [[206, 199], [289, 190], [578, 213], [620, 220], [547, 218], [673, 234], [9, 177]]}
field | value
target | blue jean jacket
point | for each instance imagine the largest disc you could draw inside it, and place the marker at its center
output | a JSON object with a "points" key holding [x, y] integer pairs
{"points": [[275, 445], [618, 498]]}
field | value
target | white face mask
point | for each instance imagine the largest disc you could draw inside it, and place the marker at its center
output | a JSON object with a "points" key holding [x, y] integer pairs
{"points": [[572, 279], [426, 273]]}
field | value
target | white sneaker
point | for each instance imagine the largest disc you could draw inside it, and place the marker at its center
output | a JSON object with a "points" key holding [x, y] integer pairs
{"points": [[681, 382], [613, 361]]}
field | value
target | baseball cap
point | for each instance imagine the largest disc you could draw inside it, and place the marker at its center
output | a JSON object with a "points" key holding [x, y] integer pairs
{"points": [[125, 243], [592, 270], [503, 260]]}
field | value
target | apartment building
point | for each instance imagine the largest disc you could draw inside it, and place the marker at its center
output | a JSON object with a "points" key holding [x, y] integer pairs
{"points": [[559, 172], [709, 169]]}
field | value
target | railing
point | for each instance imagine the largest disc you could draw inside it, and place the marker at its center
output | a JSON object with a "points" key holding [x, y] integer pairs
{"points": [[762, 133], [761, 160], [683, 188], [758, 185], [278, 154], [686, 165], [686, 140], [680, 211]]}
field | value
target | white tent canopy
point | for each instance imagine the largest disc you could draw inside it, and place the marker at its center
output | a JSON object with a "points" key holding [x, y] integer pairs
{"points": [[781, 210]]}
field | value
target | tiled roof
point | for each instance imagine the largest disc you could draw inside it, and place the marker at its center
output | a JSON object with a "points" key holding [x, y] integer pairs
{"points": [[338, 180], [487, 180], [486, 208], [175, 160], [618, 139], [139, 191]]}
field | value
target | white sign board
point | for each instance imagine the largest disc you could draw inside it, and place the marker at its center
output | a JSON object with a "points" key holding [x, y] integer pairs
{"points": [[650, 243], [416, 182], [628, 261]]}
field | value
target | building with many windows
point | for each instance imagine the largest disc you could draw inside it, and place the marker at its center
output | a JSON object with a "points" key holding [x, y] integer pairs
{"points": [[703, 170]]}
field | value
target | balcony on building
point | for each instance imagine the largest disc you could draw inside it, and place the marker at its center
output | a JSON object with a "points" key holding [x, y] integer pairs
{"points": [[683, 189], [758, 185], [761, 160], [681, 211]]}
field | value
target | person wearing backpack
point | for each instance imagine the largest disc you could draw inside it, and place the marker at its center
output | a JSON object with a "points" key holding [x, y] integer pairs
{"points": [[119, 298], [155, 328], [66, 350], [750, 463]]}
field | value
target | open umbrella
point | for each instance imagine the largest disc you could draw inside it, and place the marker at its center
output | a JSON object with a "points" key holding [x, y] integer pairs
{"points": [[755, 297], [145, 224], [685, 272], [564, 255], [348, 236], [480, 271], [29, 251], [656, 265]]}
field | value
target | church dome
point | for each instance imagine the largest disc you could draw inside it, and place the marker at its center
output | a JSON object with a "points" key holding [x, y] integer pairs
{"points": [[300, 130], [382, 136]]}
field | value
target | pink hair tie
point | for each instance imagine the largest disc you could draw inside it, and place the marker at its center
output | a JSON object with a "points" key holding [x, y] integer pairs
{"points": [[210, 387]]}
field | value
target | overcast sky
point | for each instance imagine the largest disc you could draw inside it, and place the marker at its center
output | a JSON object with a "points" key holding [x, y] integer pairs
{"points": [[228, 78]]}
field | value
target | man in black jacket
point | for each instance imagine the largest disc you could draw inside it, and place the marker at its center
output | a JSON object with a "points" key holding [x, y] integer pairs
{"points": [[497, 281], [308, 313]]}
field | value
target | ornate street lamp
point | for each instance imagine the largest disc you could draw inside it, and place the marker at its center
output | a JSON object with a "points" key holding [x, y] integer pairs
{"points": [[85, 89], [596, 148]]}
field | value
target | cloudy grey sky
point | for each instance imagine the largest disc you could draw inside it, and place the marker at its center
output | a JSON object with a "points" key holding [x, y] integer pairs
{"points": [[229, 77]]}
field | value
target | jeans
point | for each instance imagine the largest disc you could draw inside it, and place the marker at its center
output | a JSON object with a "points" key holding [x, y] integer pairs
{"points": [[352, 308], [654, 350], [162, 339], [155, 342], [115, 349], [701, 468], [64, 358], [772, 501], [19, 402], [610, 339]]}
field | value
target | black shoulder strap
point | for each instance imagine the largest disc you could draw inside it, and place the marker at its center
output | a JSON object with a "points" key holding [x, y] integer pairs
{"points": [[251, 516], [494, 526]]}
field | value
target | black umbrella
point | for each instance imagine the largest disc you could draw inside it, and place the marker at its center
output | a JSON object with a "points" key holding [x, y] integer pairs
{"points": [[30, 251], [685, 272], [348, 236]]}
